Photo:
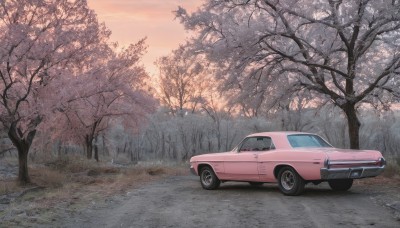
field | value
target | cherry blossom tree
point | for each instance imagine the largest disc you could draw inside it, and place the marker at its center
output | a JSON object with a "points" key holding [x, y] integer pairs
{"points": [[344, 52], [42, 44], [110, 90]]}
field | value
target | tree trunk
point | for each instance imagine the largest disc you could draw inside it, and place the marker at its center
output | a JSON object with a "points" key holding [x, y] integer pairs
{"points": [[23, 174], [89, 140], [353, 124], [96, 150], [162, 145], [96, 153], [22, 144], [219, 142], [105, 149], [89, 146]]}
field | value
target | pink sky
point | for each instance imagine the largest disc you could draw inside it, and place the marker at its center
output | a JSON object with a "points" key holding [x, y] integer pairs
{"points": [[131, 20]]}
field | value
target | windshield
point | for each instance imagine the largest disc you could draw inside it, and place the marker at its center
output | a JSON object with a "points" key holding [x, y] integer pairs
{"points": [[303, 140]]}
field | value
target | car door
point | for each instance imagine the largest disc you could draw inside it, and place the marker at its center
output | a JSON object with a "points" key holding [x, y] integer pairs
{"points": [[242, 165]]}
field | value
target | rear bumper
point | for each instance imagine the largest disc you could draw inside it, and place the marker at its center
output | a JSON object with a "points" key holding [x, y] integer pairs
{"points": [[351, 173]]}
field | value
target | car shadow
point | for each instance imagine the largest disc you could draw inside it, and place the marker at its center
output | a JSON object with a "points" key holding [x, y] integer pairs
{"points": [[317, 192], [310, 189], [248, 187]]}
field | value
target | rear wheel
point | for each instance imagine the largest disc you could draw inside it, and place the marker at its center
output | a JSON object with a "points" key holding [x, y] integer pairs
{"points": [[290, 182], [341, 184], [208, 179]]}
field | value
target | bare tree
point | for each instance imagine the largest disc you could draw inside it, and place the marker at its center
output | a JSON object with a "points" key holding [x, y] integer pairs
{"points": [[181, 82], [344, 52]]}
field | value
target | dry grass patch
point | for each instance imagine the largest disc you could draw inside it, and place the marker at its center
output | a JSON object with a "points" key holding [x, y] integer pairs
{"points": [[8, 186], [392, 168], [126, 179], [72, 164], [48, 178], [80, 176], [154, 171]]}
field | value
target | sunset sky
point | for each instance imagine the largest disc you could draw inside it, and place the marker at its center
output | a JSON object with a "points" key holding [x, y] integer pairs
{"points": [[131, 20]]}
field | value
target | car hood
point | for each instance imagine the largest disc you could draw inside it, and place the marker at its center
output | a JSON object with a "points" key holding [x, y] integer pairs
{"points": [[204, 157]]}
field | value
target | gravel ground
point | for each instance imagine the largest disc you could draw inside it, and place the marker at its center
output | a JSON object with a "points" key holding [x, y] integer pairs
{"points": [[181, 202]]}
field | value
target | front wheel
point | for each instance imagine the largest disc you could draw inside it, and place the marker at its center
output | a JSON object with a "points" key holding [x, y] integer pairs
{"points": [[208, 179], [290, 182], [340, 184]]}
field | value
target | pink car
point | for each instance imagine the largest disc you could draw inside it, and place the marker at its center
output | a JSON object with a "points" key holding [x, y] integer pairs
{"points": [[292, 159]]}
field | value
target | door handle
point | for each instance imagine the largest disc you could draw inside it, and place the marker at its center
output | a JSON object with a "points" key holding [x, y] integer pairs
{"points": [[255, 155]]}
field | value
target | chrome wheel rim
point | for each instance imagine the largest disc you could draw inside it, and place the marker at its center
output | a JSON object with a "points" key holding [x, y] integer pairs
{"points": [[288, 180], [206, 177]]}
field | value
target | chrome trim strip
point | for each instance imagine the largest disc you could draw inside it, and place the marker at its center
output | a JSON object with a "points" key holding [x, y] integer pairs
{"points": [[352, 162]]}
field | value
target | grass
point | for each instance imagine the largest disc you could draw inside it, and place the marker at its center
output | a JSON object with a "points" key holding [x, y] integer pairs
{"points": [[48, 178], [8, 186]]}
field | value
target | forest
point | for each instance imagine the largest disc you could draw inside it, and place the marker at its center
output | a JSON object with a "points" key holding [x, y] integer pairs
{"points": [[328, 67]]}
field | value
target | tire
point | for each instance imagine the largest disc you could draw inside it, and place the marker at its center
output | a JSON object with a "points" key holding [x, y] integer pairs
{"points": [[340, 184], [256, 183], [290, 182], [208, 179]]}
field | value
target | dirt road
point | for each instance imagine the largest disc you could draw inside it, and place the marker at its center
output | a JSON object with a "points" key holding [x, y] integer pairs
{"points": [[181, 202]]}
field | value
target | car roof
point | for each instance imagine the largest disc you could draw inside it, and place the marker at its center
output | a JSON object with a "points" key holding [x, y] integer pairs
{"points": [[279, 137], [277, 133]]}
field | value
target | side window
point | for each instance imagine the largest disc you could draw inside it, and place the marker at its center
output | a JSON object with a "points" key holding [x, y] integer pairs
{"points": [[257, 144], [248, 144]]}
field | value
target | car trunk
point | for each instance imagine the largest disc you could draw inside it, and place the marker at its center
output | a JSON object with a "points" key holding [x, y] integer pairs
{"points": [[343, 158], [347, 154]]}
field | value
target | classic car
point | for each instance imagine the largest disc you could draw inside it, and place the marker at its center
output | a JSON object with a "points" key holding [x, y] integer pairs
{"points": [[292, 159]]}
